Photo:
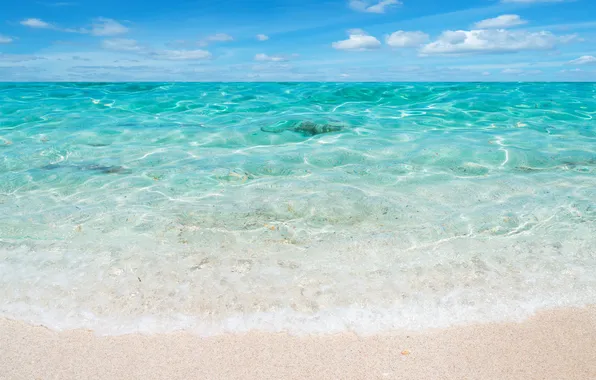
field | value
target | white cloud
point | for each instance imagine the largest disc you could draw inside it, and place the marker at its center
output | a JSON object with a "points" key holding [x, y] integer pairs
{"points": [[14, 58], [107, 27], [40, 24], [493, 41], [371, 7], [132, 46], [5, 39], [121, 44], [571, 71], [100, 27], [584, 60], [60, 4], [57, 4], [406, 39], [219, 37], [270, 58], [358, 40], [570, 38], [262, 37], [182, 55], [71, 30], [521, 72], [36, 23], [503, 21], [271, 66], [532, 1]]}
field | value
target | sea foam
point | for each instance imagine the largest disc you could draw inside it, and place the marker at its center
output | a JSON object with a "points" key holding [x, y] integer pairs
{"points": [[307, 208]]}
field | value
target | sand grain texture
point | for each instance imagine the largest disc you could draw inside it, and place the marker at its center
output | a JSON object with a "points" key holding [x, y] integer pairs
{"points": [[559, 344]]}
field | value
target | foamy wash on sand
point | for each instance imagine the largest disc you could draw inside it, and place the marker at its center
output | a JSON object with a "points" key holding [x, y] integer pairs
{"points": [[300, 207]]}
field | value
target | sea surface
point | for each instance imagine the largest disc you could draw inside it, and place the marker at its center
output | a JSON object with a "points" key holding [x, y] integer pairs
{"points": [[299, 207]]}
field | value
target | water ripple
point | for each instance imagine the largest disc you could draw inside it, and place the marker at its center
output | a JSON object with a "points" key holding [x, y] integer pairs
{"points": [[298, 206]]}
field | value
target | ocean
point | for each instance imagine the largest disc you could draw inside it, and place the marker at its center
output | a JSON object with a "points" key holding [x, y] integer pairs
{"points": [[299, 207]]}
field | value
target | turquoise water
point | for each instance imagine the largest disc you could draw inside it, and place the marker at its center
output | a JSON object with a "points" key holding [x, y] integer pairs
{"points": [[294, 206]]}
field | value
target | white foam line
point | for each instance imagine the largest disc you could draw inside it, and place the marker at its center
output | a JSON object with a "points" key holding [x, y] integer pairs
{"points": [[499, 141], [267, 147], [15, 191], [506, 156], [343, 104], [537, 225], [185, 200], [159, 150], [435, 244]]}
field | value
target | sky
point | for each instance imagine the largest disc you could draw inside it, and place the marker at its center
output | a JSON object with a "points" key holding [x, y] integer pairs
{"points": [[298, 40]]}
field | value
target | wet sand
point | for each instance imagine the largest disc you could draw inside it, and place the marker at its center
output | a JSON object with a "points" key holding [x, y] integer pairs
{"points": [[555, 344]]}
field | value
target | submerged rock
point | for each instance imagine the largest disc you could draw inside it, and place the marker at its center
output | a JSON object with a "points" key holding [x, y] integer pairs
{"points": [[106, 169], [306, 128], [92, 167], [51, 167], [96, 145], [312, 129]]}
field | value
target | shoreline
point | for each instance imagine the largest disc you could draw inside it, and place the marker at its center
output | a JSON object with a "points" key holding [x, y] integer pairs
{"points": [[553, 344]]}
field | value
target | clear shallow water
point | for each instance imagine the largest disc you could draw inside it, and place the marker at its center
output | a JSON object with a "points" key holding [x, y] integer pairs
{"points": [[301, 207]]}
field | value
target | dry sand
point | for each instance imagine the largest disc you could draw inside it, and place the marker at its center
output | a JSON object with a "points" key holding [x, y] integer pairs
{"points": [[557, 344]]}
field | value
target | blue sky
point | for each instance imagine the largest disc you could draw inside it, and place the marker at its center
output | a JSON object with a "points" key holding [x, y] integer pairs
{"points": [[298, 40]]}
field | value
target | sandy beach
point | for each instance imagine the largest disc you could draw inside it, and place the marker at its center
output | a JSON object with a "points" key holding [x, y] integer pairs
{"points": [[297, 229], [556, 344]]}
